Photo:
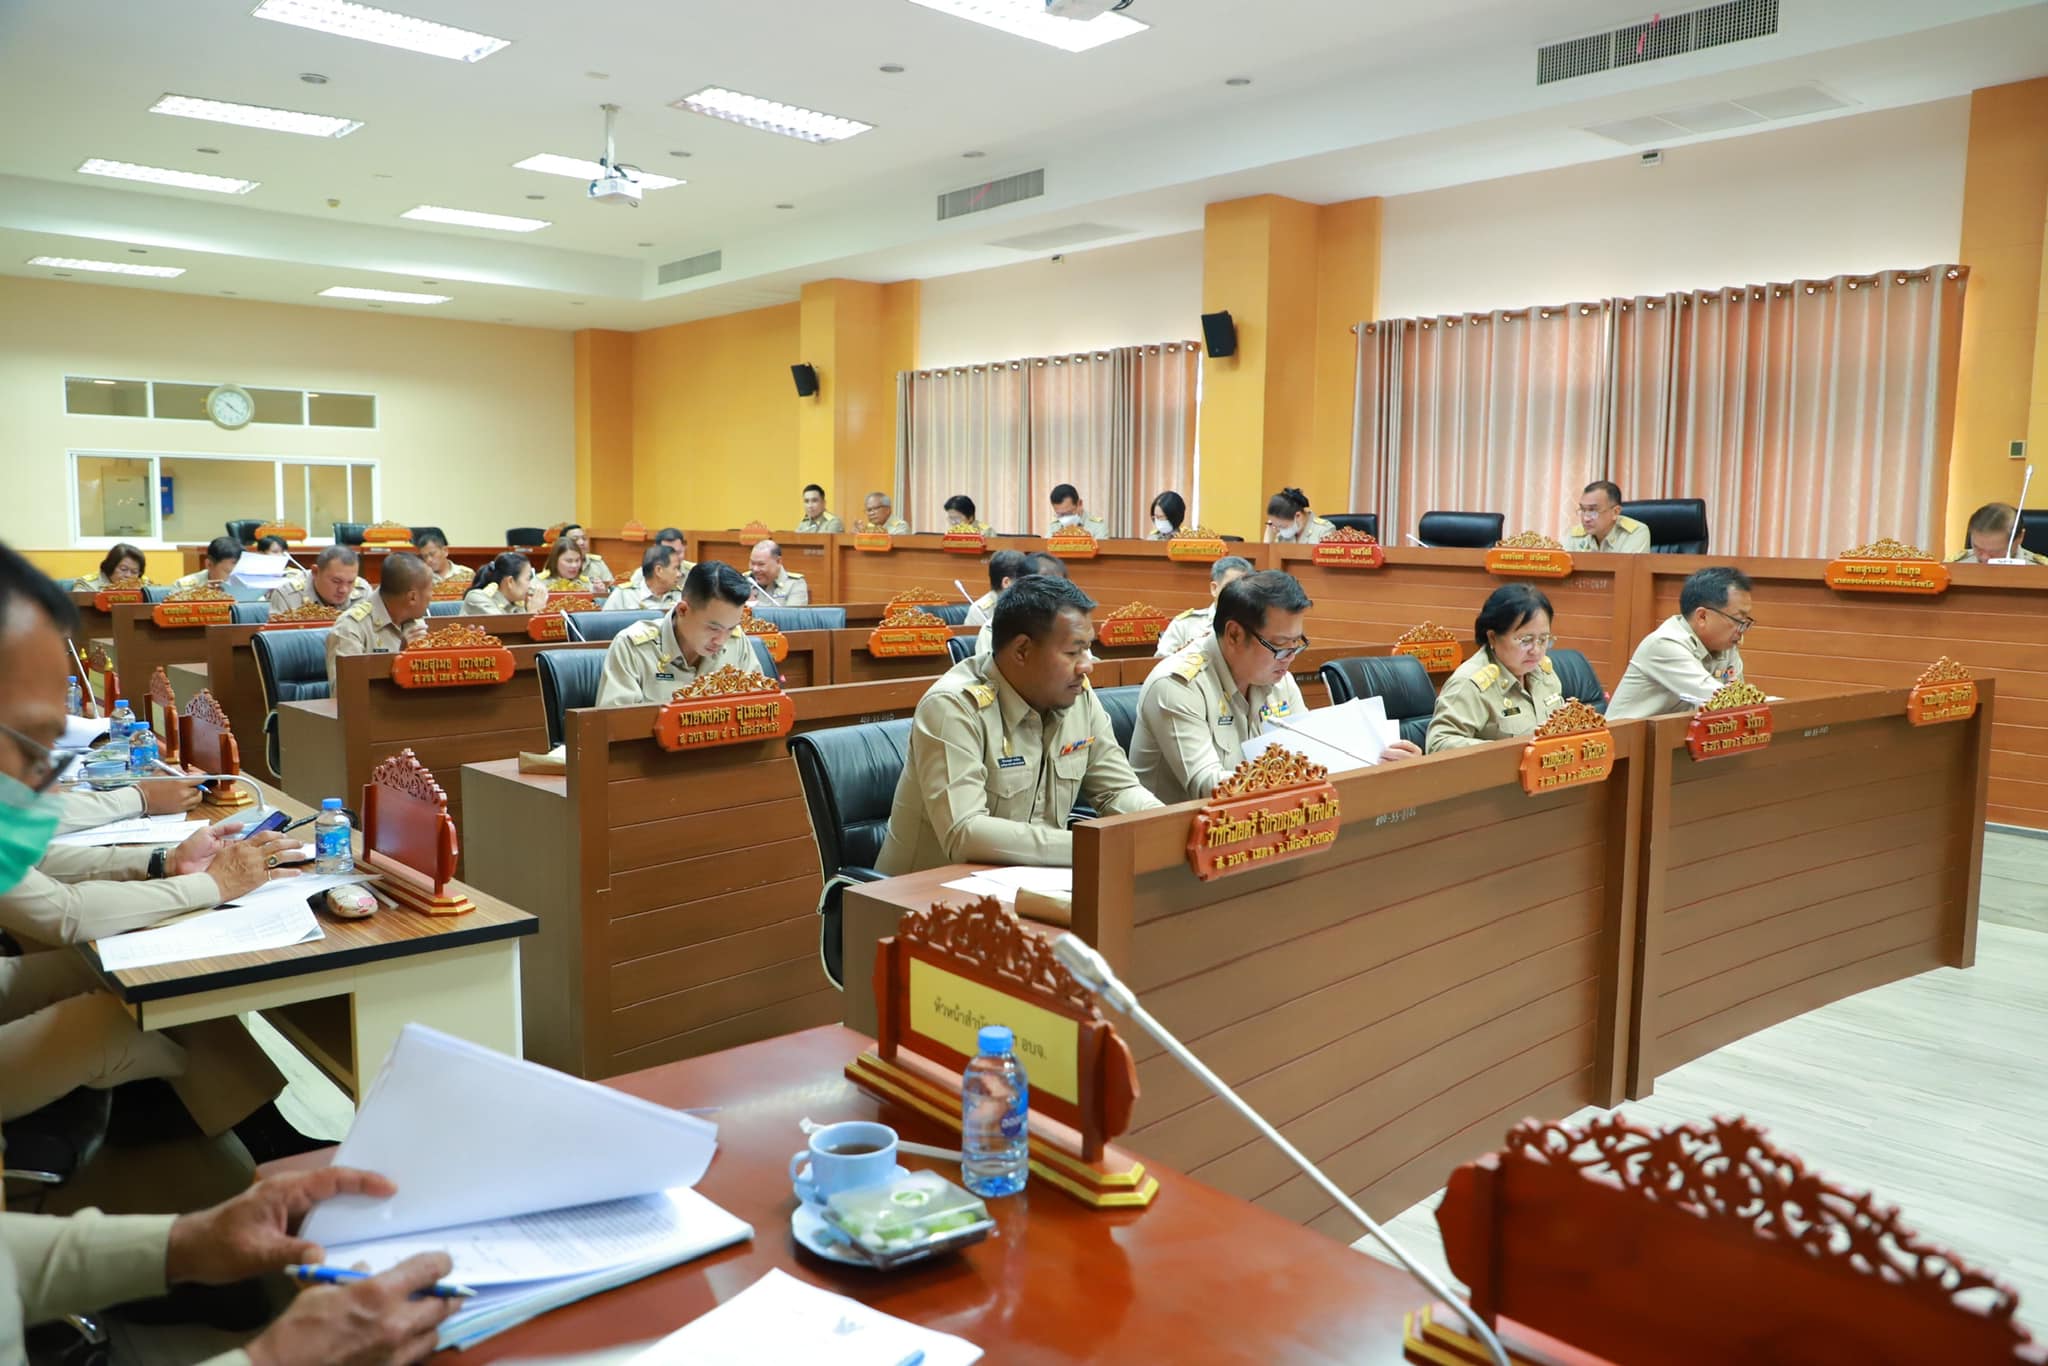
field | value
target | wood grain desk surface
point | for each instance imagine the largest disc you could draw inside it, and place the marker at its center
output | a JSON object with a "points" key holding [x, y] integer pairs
{"points": [[1199, 1276], [394, 932]]}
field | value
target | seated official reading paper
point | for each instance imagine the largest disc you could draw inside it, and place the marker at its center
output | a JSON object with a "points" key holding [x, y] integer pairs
{"points": [[1692, 655], [1991, 533], [649, 660], [1509, 688], [336, 582], [1005, 743], [1201, 704], [433, 548], [383, 623]]}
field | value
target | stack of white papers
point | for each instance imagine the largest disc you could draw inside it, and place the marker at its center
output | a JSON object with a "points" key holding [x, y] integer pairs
{"points": [[260, 571], [275, 923], [1004, 883], [141, 830], [782, 1319], [1349, 736]]}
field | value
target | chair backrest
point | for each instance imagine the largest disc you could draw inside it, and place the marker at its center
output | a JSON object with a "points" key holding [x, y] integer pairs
{"points": [[243, 531], [249, 613], [960, 649], [764, 659], [1678, 526], [849, 776], [291, 665], [349, 533], [420, 531], [448, 607], [952, 613], [1464, 530], [568, 680], [2034, 530], [1368, 522], [804, 618], [1398, 680], [157, 592], [526, 536], [604, 625], [1122, 706], [1575, 672]]}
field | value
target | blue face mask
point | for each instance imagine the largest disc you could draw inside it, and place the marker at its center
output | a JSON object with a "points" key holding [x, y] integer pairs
{"points": [[28, 822]]}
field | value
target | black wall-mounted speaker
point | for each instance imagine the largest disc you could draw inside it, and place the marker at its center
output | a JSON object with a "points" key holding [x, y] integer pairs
{"points": [[1220, 333], [806, 377]]}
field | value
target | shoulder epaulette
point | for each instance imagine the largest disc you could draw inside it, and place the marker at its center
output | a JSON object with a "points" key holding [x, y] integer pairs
{"points": [[1486, 676], [791, 574], [359, 612], [1191, 667], [1191, 612], [643, 632], [1547, 667], [1628, 523], [984, 696]]}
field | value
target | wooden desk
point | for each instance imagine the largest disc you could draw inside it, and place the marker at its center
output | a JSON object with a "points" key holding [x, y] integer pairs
{"points": [[809, 662], [372, 557], [141, 647], [808, 553], [343, 998], [1197, 1277], [851, 662], [93, 624]]}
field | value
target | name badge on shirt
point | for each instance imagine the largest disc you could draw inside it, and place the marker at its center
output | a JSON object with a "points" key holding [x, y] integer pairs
{"points": [[1010, 761], [1076, 747], [1223, 718], [666, 678]]}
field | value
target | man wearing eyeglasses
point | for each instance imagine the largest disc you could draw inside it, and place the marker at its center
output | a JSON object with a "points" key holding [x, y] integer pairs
{"points": [[1201, 703], [1692, 655]]}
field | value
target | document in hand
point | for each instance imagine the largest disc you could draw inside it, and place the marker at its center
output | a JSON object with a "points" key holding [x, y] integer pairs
{"points": [[541, 1187], [260, 571], [1351, 735], [782, 1319]]}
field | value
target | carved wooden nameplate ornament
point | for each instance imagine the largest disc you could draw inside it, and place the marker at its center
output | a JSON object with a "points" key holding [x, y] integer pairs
{"points": [[106, 599], [1135, 623], [203, 605], [874, 542], [553, 623], [963, 543], [163, 713], [299, 618], [907, 631], [948, 971], [1573, 748], [458, 655], [553, 533], [767, 632], [1195, 545], [102, 678], [1886, 566], [292, 532], [409, 836], [756, 530], [1530, 555], [1349, 548], [732, 706], [388, 534], [916, 597], [206, 744], [1072, 544], [456, 586], [1438, 648], [1276, 807], [1735, 720], [633, 531], [1946, 692]]}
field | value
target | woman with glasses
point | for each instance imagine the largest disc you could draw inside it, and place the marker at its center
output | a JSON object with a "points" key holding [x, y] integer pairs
{"points": [[122, 567], [1508, 688], [1694, 654]]}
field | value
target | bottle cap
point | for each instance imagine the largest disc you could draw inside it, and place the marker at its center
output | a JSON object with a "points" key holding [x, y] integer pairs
{"points": [[330, 803], [120, 702], [996, 1040], [72, 679]]}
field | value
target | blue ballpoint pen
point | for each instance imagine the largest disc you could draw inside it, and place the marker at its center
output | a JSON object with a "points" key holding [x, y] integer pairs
{"points": [[336, 1275]]}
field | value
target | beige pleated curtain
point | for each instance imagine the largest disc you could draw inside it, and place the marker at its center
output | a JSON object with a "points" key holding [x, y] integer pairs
{"points": [[1119, 425], [1810, 416]]}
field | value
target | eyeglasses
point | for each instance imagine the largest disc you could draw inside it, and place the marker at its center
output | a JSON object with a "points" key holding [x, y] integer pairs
{"points": [[1281, 653], [1742, 625], [45, 765], [1543, 642]]}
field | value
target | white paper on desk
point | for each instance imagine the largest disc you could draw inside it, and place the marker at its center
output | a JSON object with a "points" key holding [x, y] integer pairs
{"points": [[286, 891], [1004, 883], [80, 731], [238, 929], [469, 1134], [1341, 738], [261, 571], [782, 1319], [138, 830]]}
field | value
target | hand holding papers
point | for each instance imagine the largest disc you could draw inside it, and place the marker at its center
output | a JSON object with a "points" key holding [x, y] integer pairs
{"points": [[1352, 735], [261, 571]]}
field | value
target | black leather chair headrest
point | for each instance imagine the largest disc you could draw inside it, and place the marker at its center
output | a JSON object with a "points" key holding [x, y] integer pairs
{"points": [[602, 626], [568, 680], [849, 776], [1678, 526], [1465, 530], [1368, 522]]}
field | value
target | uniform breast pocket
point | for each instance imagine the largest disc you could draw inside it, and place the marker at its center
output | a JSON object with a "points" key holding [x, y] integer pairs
{"points": [[1070, 770], [1012, 786]]}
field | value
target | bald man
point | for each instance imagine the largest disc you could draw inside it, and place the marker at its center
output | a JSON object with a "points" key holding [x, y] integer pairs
{"points": [[779, 587], [382, 624]]}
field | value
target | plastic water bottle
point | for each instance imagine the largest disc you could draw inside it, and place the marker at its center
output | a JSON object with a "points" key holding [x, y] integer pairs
{"points": [[995, 1118], [74, 698], [142, 751], [332, 852], [118, 728]]}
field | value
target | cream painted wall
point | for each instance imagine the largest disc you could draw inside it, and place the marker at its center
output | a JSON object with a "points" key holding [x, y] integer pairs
{"points": [[1114, 296], [475, 421], [1857, 194]]}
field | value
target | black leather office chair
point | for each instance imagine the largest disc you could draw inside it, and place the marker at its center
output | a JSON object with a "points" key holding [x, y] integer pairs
{"points": [[250, 613], [1368, 522], [291, 667], [1399, 680], [1678, 526], [1461, 530], [803, 618], [420, 531], [960, 649], [1575, 672], [157, 592], [952, 613], [602, 626], [349, 533], [568, 680], [2034, 530], [448, 607], [765, 660], [849, 775], [47, 1147], [243, 531], [1122, 706], [526, 536]]}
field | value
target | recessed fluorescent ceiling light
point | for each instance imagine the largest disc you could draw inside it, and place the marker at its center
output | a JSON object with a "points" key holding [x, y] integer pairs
{"points": [[110, 267], [792, 121], [470, 218], [157, 175], [256, 116], [382, 26], [578, 169], [383, 296], [1028, 19]]}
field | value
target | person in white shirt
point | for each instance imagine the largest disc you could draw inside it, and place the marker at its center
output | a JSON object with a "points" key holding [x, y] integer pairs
{"points": [[1694, 654], [1193, 624]]}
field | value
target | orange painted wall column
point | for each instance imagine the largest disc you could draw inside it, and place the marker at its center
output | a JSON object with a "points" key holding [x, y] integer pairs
{"points": [[2002, 384], [604, 428], [858, 336]]}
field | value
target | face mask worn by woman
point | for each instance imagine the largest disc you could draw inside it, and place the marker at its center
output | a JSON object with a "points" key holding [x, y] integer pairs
{"points": [[28, 822], [1162, 526], [1287, 533]]}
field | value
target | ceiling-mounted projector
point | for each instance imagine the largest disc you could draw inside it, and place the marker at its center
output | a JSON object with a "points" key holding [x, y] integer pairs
{"points": [[619, 184], [1083, 10]]}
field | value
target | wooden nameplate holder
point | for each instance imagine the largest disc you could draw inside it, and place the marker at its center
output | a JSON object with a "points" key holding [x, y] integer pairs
{"points": [[1703, 1243], [767, 632], [409, 837], [1573, 748], [292, 532], [963, 543], [391, 535], [101, 678], [949, 970], [1735, 720], [204, 605], [633, 531], [457, 585], [1886, 566], [1195, 545], [1349, 548], [908, 631], [552, 624], [1437, 647], [206, 744], [163, 714], [1529, 554], [1946, 692], [306, 614], [458, 654], [1072, 544], [106, 599], [1134, 623]]}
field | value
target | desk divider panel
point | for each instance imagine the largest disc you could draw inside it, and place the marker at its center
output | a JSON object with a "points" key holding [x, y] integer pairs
{"points": [[808, 553], [141, 647]]}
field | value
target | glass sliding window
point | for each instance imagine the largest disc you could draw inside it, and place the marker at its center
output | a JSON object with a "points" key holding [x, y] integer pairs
{"points": [[361, 478], [200, 495], [115, 496], [181, 402], [316, 497], [106, 397], [341, 410], [280, 407]]}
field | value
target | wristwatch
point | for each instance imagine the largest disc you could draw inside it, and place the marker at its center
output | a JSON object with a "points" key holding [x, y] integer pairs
{"points": [[159, 863]]}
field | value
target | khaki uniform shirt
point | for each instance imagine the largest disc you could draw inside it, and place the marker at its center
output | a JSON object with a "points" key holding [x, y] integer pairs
{"points": [[197, 579], [455, 573], [580, 584], [79, 1264], [367, 629], [1482, 702], [992, 780], [1316, 530], [895, 526], [1197, 623], [633, 597], [972, 529], [1669, 666], [295, 595], [828, 523], [790, 589], [97, 583], [1967, 557], [596, 570], [1626, 537], [1094, 526], [76, 894], [489, 602], [985, 641], [639, 579], [644, 663], [1193, 721]]}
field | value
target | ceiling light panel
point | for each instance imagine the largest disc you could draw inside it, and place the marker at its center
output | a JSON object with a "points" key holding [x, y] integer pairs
{"points": [[256, 116], [383, 296], [371, 25], [1028, 19], [108, 267], [770, 116], [470, 218], [158, 175], [578, 169]]}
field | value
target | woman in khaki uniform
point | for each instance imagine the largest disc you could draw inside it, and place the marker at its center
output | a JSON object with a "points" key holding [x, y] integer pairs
{"points": [[564, 572], [1508, 688], [1290, 522], [122, 568], [504, 587]]}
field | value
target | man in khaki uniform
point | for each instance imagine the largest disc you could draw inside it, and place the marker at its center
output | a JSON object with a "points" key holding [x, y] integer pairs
{"points": [[815, 517], [381, 625], [336, 582], [1990, 532], [1692, 655], [780, 587], [1004, 744], [594, 568], [881, 510], [1196, 623], [658, 582], [1602, 527], [221, 555], [85, 809], [433, 548], [673, 539], [1036, 562], [649, 660], [1068, 514], [1005, 567]]}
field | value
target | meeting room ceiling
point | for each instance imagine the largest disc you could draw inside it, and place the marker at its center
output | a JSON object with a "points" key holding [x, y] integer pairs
{"points": [[1322, 99]]}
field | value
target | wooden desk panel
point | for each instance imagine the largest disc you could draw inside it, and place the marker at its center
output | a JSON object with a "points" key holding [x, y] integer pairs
{"points": [[372, 557], [141, 647], [93, 624], [851, 662], [809, 662]]}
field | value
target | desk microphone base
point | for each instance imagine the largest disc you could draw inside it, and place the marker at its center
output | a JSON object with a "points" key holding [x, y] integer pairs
{"points": [[1434, 1336]]}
